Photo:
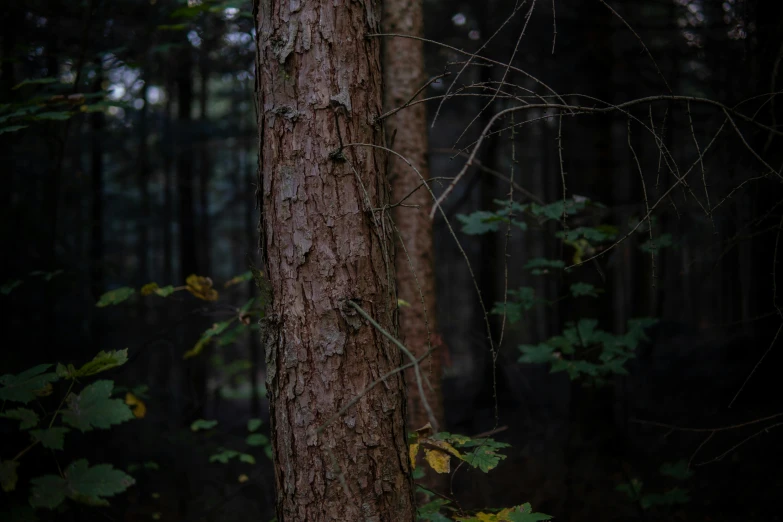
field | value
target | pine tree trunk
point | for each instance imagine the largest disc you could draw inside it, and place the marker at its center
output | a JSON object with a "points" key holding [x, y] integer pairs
{"points": [[404, 74], [327, 248]]}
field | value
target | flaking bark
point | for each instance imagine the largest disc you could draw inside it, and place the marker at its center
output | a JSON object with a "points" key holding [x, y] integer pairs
{"points": [[325, 243]]}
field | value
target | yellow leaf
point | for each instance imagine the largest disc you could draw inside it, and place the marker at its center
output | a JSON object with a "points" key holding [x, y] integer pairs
{"points": [[414, 450], [402, 302], [438, 460], [444, 446], [243, 478], [137, 405], [201, 287], [149, 289]]}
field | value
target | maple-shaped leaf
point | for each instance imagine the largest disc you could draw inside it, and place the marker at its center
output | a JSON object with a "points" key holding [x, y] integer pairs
{"points": [[51, 438], [94, 408], [28, 418], [27, 385], [102, 362], [484, 458], [82, 483]]}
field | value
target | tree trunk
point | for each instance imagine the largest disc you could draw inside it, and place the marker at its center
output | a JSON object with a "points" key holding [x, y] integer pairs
{"points": [[188, 255], [97, 124], [143, 243], [327, 249], [404, 74], [205, 166]]}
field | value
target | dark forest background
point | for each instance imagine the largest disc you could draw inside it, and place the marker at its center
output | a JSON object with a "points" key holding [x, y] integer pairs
{"points": [[136, 163]]}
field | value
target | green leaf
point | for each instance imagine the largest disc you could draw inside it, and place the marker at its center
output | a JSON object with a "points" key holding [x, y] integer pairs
{"points": [[59, 116], [51, 438], [678, 470], [190, 11], [102, 362], [670, 498], [520, 301], [430, 512], [524, 513], [583, 289], [586, 328], [23, 387], [480, 222], [536, 354], [254, 424], [483, 458], [165, 291], [224, 456], [256, 439], [28, 418], [94, 408], [12, 128], [540, 265], [592, 234], [9, 286], [48, 276], [654, 245], [230, 336], [632, 489], [246, 458], [37, 81], [89, 485], [202, 424], [116, 296], [173, 27], [8, 476]]}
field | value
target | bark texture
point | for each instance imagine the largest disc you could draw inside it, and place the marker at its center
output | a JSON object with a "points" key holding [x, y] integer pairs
{"points": [[404, 74], [325, 245]]}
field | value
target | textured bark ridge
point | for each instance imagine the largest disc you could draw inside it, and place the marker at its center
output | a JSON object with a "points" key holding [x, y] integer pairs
{"points": [[404, 74], [326, 243]]}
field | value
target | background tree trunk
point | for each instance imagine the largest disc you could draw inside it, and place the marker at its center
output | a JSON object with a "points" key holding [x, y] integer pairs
{"points": [[325, 247], [404, 74]]}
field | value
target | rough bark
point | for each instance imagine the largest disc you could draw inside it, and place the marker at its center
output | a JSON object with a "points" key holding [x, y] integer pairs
{"points": [[404, 74], [325, 247]]}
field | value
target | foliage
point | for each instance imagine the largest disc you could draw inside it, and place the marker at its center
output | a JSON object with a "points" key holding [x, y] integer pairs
{"points": [[80, 482], [92, 408], [582, 350], [222, 333], [482, 453], [634, 488]]}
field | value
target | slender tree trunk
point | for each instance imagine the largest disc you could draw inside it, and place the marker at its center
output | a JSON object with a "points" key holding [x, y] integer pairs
{"points": [[168, 196], [142, 181], [96, 213], [327, 249], [205, 167], [404, 74], [188, 255]]}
